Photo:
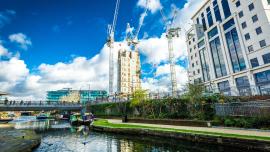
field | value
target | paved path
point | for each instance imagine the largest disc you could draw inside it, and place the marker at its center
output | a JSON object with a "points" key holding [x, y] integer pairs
{"points": [[207, 129]]}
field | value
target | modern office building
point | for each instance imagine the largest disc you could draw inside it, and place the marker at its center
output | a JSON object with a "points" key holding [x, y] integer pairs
{"points": [[129, 71], [70, 95], [229, 46]]}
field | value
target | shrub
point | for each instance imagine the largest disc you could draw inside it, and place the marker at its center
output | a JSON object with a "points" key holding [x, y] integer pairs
{"points": [[229, 122]]}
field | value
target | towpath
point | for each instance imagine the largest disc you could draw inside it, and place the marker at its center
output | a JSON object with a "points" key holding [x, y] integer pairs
{"points": [[236, 131]]}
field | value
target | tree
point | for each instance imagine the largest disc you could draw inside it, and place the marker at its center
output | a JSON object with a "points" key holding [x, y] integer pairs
{"points": [[195, 92], [138, 96]]}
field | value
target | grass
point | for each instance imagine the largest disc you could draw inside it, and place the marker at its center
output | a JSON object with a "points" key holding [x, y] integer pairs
{"points": [[105, 123]]}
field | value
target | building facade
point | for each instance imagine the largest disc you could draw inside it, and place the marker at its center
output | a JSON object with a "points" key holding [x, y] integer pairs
{"points": [[229, 47], [69, 95], [129, 71]]}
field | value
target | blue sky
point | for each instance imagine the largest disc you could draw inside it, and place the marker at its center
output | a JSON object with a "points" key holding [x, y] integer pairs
{"points": [[62, 29], [52, 44]]}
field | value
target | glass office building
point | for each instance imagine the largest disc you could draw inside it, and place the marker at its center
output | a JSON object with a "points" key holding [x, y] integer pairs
{"points": [[229, 47], [69, 95]]}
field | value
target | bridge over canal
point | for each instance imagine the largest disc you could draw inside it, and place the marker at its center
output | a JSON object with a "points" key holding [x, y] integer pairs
{"points": [[35, 106]]}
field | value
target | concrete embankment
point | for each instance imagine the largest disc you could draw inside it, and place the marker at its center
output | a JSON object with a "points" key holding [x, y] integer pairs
{"points": [[223, 140], [13, 140]]}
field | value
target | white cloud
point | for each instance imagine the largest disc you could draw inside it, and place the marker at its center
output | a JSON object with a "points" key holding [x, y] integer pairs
{"points": [[163, 82], [153, 5], [3, 50], [80, 71], [77, 74], [21, 39], [183, 18], [156, 48]]}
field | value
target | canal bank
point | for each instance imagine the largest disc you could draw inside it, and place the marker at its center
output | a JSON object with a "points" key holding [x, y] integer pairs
{"points": [[245, 139], [15, 140]]}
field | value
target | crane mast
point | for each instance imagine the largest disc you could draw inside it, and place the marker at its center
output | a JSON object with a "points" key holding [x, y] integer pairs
{"points": [[110, 43], [171, 33]]}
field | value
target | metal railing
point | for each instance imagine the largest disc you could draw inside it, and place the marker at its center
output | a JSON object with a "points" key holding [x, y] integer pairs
{"points": [[249, 109]]}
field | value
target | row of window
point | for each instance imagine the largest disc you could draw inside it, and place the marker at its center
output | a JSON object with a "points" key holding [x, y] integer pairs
{"points": [[257, 30], [250, 6], [254, 19], [262, 44], [226, 12], [266, 59], [243, 86]]}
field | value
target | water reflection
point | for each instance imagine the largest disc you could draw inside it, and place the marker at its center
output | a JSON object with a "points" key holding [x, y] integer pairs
{"points": [[59, 136]]}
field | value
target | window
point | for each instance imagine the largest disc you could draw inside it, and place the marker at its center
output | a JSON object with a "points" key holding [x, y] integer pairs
{"points": [[240, 14], [209, 17], [216, 11], [189, 42], [218, 59], [244, 25], [254, 62], [193, 65], [235, 51], [193, 39], [190, 50], [201, 43], [262, 77], [228, 24], [243, 86], [195, 54], [194, 73], [250, 48], [247, 36], [237, 4], [226, 8], [254, 18], [203, 22], [198, 21], [268, 2], [266, 58], [205, 66], [262, 43], [258, 30], [198, 71], [251, 6], [197, 63], [224, 87], [263, 80], [212, 33], [191, 57]]}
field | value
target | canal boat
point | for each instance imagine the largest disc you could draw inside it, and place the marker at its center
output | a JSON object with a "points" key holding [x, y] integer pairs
{"points": [[75, 119], [78, 119], [42, 116], [26, 113]]}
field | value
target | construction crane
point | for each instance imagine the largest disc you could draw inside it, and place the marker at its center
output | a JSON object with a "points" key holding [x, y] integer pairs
{"points": [[110, 43], [171, 33], [131, 38]]}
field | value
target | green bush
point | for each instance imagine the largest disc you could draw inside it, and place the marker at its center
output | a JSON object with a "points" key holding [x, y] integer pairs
{"points": [[229, 122]]}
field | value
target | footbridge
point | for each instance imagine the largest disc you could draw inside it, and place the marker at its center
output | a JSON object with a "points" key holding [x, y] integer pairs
{"points": [[35, 106]]}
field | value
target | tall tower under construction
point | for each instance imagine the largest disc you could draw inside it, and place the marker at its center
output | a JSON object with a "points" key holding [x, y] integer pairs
{"points": [[129, 71]]}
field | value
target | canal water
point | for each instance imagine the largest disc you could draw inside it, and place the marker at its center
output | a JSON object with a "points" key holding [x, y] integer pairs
{"points": [[59, 136]]}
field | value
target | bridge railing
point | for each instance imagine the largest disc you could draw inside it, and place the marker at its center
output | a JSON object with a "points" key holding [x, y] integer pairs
{"points": [[38, 104]]}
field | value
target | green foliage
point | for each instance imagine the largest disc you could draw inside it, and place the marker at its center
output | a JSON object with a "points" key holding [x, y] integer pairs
{"points": [[242, 122], [138, 96], [195, 92]]}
